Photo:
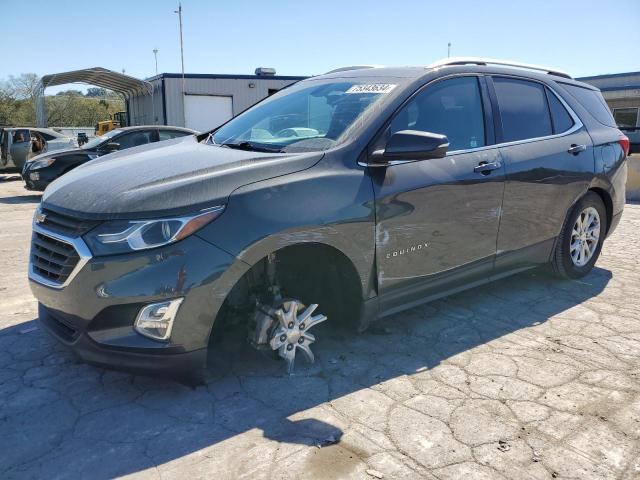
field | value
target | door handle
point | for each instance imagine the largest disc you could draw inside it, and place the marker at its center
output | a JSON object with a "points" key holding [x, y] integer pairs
{"points": [[576, 149], [485, 168]]}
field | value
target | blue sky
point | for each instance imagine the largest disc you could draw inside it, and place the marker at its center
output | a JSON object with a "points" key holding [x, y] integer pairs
{"points": [[303, 37]]}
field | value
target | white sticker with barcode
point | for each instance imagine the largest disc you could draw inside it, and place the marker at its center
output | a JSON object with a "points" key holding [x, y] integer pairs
{"points": [[372, 88]]}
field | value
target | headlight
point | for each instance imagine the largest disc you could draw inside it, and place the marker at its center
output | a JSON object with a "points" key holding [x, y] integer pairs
{"points": [[38, 164], [122, 236]]}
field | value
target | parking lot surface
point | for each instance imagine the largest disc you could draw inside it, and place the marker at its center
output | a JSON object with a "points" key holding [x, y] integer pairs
{"points": [[526, 378]]}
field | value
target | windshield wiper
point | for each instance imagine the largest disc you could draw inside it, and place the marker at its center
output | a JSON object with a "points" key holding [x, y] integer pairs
{"points": [[250, 147]]}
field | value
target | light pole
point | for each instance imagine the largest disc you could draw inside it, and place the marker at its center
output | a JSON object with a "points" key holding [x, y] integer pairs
{"points": [[155, 54], [179, 12], [448, 49]]}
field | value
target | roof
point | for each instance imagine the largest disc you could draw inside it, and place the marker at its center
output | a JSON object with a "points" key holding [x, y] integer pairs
{"points": [[101, 77], [609, 75], [225, 76], [159, 127]]}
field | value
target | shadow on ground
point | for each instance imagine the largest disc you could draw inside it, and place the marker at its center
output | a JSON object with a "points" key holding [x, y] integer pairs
{"points": [[20, 199], [10, 177], [66, 419]]}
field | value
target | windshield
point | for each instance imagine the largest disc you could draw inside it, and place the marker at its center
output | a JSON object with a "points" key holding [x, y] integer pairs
{"points": [[94, 142], [307, 117]]}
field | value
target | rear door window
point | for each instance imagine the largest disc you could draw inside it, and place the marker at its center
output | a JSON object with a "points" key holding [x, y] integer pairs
{"points": [[523, 109], [592, 100], [449, 107], [560, 118]]}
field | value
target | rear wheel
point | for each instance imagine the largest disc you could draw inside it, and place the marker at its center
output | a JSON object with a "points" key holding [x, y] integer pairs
{"points": [[580, 241]]}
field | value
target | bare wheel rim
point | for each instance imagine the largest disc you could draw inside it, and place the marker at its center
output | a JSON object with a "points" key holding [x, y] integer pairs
{"points": [[292, 331], [585, 236]]}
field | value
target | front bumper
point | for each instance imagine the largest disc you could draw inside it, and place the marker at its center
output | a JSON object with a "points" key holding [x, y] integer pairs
{"points": [[95, 312], [186, 366]]}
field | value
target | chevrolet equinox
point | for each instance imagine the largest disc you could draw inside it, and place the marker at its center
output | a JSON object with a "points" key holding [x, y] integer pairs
{"points": [[346, 197]]}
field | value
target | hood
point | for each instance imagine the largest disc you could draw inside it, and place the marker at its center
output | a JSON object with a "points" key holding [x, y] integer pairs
{"points": [[59, 152], [161, 180]]}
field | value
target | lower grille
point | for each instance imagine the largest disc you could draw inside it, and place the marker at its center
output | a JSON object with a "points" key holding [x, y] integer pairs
{"points": [[52, 259], [59, 327]]}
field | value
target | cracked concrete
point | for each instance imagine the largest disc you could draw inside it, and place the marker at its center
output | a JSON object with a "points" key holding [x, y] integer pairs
{"points": [[527, 378]]}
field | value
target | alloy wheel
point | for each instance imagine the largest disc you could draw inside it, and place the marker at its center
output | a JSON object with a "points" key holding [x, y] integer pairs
{"points": [[585, 236]]}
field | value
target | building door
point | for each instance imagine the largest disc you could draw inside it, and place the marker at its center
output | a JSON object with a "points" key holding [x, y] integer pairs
{"points": [[206, 112]]}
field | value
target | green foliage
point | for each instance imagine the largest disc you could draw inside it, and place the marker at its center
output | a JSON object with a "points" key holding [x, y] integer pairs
{"points": [[70, 108]]}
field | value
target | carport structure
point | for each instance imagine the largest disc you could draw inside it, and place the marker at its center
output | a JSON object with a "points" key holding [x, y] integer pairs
{"points": [[101, 77]]}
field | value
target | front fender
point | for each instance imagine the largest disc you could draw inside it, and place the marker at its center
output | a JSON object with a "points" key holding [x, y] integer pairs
{"points": [[330, 206]]}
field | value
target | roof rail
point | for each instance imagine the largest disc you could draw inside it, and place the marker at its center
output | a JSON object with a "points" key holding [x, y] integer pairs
{"points": [[492, 61], [352, 67]]}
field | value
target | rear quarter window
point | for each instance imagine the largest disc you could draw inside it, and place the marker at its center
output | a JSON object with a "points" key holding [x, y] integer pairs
{"points": [[561, 119], [592, 100]]}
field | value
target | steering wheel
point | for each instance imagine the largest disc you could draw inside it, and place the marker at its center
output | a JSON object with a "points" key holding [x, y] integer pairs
{"points": [[287, 132]]}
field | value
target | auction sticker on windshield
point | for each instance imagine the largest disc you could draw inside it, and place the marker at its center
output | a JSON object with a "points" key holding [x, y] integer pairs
{"points": [[372, 88]]}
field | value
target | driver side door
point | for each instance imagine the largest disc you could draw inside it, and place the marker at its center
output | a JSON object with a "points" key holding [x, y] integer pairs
{"points": [[437, 219]]}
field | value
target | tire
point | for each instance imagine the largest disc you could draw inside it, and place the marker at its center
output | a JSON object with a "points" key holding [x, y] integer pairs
{"points": [[573, 263]]}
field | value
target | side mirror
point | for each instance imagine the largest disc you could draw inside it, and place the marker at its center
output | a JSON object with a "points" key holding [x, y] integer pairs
{"points": [[112, 147], [412, 145]]}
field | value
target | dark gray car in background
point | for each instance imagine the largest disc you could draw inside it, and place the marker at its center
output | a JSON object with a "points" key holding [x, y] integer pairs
{"points": [[41, 170], [346, 197]]}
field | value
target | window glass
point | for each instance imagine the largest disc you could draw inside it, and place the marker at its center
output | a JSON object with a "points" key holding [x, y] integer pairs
{"points": [[626, 117], [309, 116], [452, 108], [562, 121], [169, 134], [523, 108], [592, 100], [134, 139], [21, 136], [47, 136]]}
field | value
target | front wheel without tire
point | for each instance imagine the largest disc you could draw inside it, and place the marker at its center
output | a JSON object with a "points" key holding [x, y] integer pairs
{"points": [[580, 241]]}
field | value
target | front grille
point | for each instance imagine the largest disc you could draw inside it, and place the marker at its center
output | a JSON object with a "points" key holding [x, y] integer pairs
{"points": [[52, 259], [65, 224]]}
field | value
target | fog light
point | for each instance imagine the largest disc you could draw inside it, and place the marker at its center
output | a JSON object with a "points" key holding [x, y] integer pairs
{"points": [[156, 319]]}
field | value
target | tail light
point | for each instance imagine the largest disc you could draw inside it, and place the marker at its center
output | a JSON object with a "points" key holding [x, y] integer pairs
{"points": [[624, 143]]}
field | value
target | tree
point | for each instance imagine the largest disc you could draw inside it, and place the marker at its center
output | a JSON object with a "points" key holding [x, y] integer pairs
{"points": [[67, 109], [76, 93], [96, 92]]}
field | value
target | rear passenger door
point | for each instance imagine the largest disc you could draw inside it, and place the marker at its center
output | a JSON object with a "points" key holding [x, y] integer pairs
{"points": [[549, 162]]}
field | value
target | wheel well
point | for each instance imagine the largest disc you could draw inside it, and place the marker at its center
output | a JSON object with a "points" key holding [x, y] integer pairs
{"points": [[310, 272], [608, 203]]}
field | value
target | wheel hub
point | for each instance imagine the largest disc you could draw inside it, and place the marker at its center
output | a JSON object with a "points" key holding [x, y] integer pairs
{"points": [[291, 332]]}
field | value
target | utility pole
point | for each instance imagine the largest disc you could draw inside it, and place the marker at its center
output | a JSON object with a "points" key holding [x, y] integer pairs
{"points": [[179, 12], [155, 54], [448, 49]]}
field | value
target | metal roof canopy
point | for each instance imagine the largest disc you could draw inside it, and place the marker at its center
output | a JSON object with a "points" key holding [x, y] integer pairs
{"points": [[98, 76]]}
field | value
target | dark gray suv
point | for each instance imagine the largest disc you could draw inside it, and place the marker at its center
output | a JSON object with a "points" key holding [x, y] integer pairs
{"points": [[346, 197]]}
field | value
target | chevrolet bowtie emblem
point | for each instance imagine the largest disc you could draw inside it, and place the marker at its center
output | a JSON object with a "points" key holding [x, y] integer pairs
{"points": [[39, 217]]}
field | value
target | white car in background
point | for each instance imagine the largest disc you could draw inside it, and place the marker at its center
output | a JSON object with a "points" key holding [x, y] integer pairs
{"points": [[19, 144]]}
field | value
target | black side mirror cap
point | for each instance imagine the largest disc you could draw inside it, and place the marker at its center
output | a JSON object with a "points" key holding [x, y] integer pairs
{"points": [[412, 145], [112, 147]]}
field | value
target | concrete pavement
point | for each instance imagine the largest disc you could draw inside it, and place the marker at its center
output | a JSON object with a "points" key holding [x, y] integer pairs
{"points": [[526, 378]]}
